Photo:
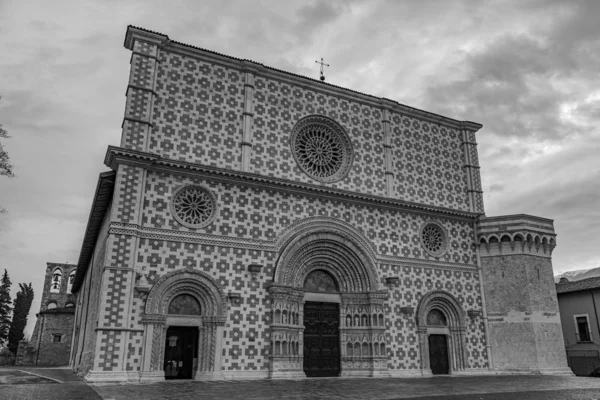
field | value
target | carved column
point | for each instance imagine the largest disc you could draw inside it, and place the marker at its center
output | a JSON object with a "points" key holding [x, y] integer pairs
{"points": [[424, 346], [287, 327], [210, 346], [153, 348], [362, 331]]}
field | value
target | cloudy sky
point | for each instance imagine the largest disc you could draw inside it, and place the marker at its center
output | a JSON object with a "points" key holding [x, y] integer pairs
{"points": [[526, 70]]}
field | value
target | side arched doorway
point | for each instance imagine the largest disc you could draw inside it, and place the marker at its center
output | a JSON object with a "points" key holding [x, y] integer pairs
{"points": [[441, 328], [327, 308], [183, 326]]}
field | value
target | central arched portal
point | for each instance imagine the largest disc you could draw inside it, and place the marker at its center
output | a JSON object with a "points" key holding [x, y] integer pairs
{"points": [[328, 311]]}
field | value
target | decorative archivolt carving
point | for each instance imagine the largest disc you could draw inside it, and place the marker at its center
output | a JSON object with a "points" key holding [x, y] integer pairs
{"points": [[440, 310], [198, 284], [345, 260], [444, 302], [320, 224]]}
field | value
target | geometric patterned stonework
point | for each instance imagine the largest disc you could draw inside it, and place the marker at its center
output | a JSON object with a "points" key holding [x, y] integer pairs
{"points": [[246, 256], [253, 213], [196, 117]]}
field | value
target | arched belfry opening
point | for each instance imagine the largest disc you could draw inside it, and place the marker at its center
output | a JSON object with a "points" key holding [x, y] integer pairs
{"points": [[183, 327], [327, 304], [441, 328]]}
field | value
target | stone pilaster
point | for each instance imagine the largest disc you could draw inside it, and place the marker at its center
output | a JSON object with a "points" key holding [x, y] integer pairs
{"points": [[141, 89], [471, 166], [248, 118], [387, 148]]}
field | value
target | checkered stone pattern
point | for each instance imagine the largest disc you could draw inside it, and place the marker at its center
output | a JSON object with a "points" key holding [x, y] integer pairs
{"points": [[134, 135], [415, 282], [253, 213], [114, 308], [197, 114], [278, 106], [428, 163], [246, 334], [128, 193], [109, 356], [139, 102], [134, 351]]}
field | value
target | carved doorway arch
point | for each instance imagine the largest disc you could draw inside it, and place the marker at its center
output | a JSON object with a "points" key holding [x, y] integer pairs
{"points": [[339, 250], [439, 313], [205, 309]]}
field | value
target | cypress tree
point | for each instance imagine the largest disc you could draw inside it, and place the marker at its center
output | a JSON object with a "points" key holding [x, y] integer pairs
{"points": [[5, 308], [19, 321]]}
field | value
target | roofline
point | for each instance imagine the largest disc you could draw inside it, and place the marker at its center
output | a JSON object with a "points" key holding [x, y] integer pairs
{"points": [[515, 216], [596, 278], [104, 190], [163, 42]]}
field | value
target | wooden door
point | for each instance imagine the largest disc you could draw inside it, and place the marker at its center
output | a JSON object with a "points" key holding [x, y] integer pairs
{"points": [[181, 352], [438, 354], [321, 339]]}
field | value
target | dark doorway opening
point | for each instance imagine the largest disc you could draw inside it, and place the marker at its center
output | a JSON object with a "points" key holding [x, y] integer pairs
{"points": [[438, 354], [321, 339], [181, 352]]}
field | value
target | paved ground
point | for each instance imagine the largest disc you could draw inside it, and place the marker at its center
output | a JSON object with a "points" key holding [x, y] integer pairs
{"points": [[23, 383], [60, 383], [446, 388]]}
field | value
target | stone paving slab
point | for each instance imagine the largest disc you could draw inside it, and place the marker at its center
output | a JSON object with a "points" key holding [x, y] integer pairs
{"points": [[54, 391], [62, 374], [509, 387], [12, 376]]}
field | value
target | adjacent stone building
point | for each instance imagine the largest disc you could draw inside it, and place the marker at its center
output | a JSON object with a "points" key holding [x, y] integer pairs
{"points": [[259, 224], [50, 343]]}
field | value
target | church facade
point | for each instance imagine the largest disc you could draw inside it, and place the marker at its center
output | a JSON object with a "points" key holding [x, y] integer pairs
{"points": [[259, 224]]}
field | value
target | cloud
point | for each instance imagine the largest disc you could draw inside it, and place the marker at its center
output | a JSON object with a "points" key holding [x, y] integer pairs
{"points": [[526, 70]]}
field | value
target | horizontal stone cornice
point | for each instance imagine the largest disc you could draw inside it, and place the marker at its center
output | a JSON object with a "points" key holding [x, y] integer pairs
{"points": [[119, 228], [118, 155]]}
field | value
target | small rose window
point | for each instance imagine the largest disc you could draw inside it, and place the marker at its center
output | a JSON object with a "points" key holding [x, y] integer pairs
{"points": [[434, 239], [194, 206]]}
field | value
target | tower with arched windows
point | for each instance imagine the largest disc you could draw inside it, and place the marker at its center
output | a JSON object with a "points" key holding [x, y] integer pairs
{"points": [[259, 224], [50, 342]]}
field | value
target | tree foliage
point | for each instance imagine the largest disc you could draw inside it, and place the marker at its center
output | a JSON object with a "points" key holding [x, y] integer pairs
{"points": [[6, 168], [5, 307], [19, 320]]}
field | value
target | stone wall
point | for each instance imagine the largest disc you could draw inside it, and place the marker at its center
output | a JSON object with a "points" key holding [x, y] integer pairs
{"points": [[87, 306], [52, 346], [524, 321]]}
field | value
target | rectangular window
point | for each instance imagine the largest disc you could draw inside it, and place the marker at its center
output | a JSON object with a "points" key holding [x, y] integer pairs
{"points": [[56, 338], [582, 327]]}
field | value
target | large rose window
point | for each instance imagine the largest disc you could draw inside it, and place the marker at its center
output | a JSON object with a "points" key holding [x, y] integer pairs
{"points": [[321, 148]]}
